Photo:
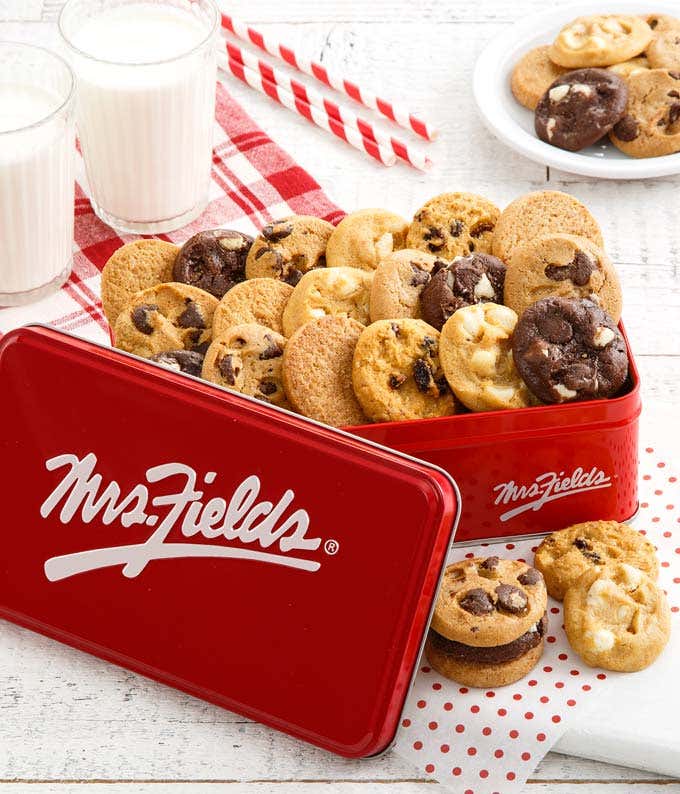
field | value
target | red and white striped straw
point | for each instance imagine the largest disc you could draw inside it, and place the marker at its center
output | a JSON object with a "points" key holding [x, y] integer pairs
{"points": [[393, 112], [302, 108], [409, 154]]}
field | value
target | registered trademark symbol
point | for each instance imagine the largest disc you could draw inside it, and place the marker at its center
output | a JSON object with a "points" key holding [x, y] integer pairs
{"points": [[331, 547]]}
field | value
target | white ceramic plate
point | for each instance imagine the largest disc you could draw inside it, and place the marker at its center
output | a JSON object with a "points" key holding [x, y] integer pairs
{"points": [[514, 124]]}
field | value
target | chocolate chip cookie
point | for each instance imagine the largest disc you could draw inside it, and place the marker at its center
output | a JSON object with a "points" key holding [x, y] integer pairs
{"points": [[651, 124], [489, 622], [342, 291], [288, 248], [165, 318], [475, 350], [248, 359], [617, 618], [317, 371], [396, 372], [580, 107], [600, 40], [453, 224], [363, 238], [257, 300], [213, 260], [566, 555], [533, 75], [562, 265], [664, 51], [398, 283], [188, 361], [477, 278], [568, 350]]}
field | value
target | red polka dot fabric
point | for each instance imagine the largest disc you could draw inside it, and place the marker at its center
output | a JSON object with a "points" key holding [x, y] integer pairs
{"points": [[486, 741]]}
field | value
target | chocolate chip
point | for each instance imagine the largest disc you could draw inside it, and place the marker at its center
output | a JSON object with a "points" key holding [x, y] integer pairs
{"points": [[511, 599], [653, 23], [293, 276], [140, 317], [530, 577], [191, 317], [675, 94], [627, 129], [430, 344], [674, 75], [578, 270], [456, 228], [477, 602], [481, 228], [267, 387], [674, 113], [586, 550], [581, 544], [227, 369], [395, 329], [489, 564], [422, 374], [202, 347], [419, 276], [396, 381], [263, 251], [187, 361], [442, 385], [277, 231], [273, 349], [435, 239]]}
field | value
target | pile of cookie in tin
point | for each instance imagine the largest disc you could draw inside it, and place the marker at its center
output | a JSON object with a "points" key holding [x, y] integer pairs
{"points": [[609, 75], [378, 319], [491, 619]]}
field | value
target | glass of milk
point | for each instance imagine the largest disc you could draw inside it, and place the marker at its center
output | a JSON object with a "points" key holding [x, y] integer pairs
{"points": [[37, 148], [146, 73]]}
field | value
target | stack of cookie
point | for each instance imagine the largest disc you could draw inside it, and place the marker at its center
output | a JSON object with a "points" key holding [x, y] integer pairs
{"points": [[614, 75], [464, 308]]}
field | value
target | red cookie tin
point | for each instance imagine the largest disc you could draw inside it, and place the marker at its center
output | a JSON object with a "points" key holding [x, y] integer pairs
{"points": [[250, 557]]}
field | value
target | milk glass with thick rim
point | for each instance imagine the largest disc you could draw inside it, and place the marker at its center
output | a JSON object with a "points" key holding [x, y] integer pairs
{"points": [[146, 73], [37, 148]]}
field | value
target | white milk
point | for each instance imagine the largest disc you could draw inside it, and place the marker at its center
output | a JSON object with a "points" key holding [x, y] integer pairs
{"points": [[145, 118], [36, 191]]}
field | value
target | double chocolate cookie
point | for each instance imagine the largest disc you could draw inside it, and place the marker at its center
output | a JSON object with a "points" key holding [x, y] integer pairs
{"points": [[489, 622], [568, 350], [580, 107], [214, 260]]}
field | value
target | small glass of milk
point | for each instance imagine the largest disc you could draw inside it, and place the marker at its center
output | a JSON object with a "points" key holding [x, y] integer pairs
{"points": [[37, 148], [145, 111]]}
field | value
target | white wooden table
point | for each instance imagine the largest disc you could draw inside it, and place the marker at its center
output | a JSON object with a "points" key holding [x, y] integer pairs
{"points": [[70, 723]]}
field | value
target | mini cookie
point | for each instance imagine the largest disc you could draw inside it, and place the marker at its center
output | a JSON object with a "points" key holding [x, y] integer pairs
{"points": [[617, 618], [664, 51], [338, 290], [562, 265], [453, 224], [258, 300], [248, 359], [568, 350], [396, 372], [631, 67], [477, 278], [476, 354], [317, 371], [533, 75], [164, 318], [213, 260], [398, 284], [542, 212], [651, 125], [485, 602], [132, 268], [188, 361], [288, 248], [566, 555], [580, 107], [600, 40], [363, 238]]}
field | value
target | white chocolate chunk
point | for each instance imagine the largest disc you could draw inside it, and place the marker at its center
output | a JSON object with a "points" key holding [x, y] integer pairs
{"points": [[633, 576], [484, 288], [564, 392], [558, 93], [603, 336], [503, 394], [231, 243], [550, 128], [600, 639], [317, 313], [471, 321], [483, 362], [582, 88], [384, 246]]}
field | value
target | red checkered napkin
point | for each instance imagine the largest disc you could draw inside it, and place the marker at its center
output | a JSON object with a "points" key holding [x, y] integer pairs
{"points": [[253, 182]]}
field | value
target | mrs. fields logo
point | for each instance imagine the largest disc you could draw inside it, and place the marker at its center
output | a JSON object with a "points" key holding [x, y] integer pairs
{"points": [[244, 517], [546, 488]]}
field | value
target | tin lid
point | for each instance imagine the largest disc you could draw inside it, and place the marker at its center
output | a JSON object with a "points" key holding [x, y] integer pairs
{"points": [[248, 556]]}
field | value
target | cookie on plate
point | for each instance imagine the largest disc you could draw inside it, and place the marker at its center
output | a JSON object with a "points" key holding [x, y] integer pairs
{"points": [[257, 300], [533, 75], [453, 224], [580, 107], [364, 237], [132, 268], [664, 51], [566, 555], [542, 212], [631, 67], [317, 371], [600, 40], [398, 283], [288, 248], [489, 622], [561, 265], [248, 359], [475, 350], [187, 361], [396, 372], [164, 318], [477, 278], [567, 350], [651, 125], [335, 290], [617, 618]]}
